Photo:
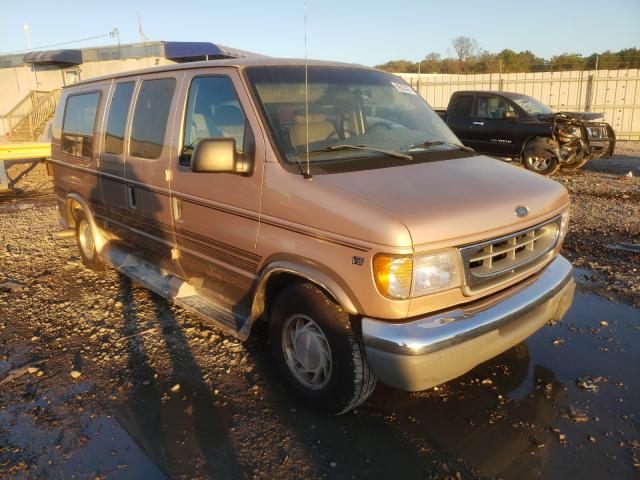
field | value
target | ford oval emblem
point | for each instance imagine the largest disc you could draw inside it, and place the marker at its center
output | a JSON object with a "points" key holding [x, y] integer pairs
{"points": [[522, 211]]}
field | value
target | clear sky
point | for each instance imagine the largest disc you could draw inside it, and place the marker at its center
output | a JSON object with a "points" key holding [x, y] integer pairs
{"points": [[360, 31]]}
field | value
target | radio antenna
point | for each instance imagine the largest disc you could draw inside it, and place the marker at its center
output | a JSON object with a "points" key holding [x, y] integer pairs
{"points": [[143, 37], [307, 174]]}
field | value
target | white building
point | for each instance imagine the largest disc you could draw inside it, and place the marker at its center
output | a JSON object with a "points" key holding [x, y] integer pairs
{"points": [[30, 83]]}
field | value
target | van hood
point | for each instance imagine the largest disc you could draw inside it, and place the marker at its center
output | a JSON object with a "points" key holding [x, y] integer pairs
{"points": [[453, 202]]}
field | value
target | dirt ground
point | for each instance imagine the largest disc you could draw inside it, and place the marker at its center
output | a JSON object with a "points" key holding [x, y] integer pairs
{"points": [[99, 378]]}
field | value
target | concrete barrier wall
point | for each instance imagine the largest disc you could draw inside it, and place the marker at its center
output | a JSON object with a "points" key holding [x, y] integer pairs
{"points": [[616, 93]]}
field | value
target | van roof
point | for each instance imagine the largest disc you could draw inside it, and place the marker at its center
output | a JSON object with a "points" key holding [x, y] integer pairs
{"points": [[232, 62]]}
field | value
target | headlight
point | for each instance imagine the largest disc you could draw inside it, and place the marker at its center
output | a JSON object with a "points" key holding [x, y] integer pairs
{"points": [[434, 272], [597, 132], [564, 225], [402, 277]]}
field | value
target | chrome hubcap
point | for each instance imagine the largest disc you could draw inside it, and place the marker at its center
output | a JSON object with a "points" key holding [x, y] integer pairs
{"points": [[86, 239], [539, 163], [306, 351]]}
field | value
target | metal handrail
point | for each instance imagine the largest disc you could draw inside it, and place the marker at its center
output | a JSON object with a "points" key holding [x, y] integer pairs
{"points": [[32, 112]]}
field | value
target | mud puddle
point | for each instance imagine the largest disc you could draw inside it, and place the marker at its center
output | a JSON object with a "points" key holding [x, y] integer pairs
{"points": [[170, 427], [50, 434], [152, 433], [565, 404]]}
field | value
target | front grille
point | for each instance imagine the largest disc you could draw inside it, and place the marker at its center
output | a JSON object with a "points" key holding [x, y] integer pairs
{"points": [[495, 261]]}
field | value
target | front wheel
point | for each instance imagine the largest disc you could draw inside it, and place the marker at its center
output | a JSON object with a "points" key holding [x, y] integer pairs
{"points": [[321, 359], [541, 165], [538, 156]]}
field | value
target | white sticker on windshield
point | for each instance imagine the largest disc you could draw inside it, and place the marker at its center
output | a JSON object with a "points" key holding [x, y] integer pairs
{"points": [[403, 88]]}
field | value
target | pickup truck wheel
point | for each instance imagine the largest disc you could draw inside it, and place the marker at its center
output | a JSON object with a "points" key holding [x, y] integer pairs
{"points": [[538, 158], [542, 165], [319, 355], [574, 165], [86, 243]]}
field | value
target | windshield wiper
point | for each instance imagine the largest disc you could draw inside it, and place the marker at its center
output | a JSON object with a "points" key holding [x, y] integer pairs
{"points": [[434, 143], [425, 145], [345, 146]]}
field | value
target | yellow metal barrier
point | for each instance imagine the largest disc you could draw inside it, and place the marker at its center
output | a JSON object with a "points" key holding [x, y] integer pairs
{"points": [[24, 151], [20, 151]]}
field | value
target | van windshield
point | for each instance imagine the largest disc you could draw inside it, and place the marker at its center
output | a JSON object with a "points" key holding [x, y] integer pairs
{"points": [[351, 114]]}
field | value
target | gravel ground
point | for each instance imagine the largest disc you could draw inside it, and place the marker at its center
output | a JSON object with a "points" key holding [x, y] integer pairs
{"points": [[100, 378], [604, 233]]}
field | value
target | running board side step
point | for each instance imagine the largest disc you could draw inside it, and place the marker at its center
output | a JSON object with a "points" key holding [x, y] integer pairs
{"points": [[173, 289], [66, 233]]}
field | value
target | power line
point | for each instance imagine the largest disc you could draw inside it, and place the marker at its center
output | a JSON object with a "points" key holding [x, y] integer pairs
{"points": [[110, 34]]}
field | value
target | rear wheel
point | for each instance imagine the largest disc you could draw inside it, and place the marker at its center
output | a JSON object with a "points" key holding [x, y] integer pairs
{"points": [[320, 357], [539, 156], [86, 242]]}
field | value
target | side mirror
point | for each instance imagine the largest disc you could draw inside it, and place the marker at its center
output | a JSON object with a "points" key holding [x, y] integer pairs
{"points": [[509, 115], [217, 155]]}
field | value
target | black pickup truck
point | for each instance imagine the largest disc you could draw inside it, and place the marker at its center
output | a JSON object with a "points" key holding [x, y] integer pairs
{"points": [[518, 127]]}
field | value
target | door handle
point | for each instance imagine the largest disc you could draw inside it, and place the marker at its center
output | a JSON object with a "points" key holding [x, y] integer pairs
{"points": [[478, 123], [177, 209], [131, 193]]}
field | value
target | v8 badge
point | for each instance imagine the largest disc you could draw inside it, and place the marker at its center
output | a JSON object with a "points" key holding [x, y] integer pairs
{"points": [[357, 261]]}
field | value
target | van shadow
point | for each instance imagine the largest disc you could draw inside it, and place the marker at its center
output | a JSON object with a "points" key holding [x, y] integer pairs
{"points": [[501, 430], [184, 431], [169, 409]]}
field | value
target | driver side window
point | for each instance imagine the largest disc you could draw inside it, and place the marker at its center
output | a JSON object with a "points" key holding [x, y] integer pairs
{"points": [[492, 107], [213, 111]]}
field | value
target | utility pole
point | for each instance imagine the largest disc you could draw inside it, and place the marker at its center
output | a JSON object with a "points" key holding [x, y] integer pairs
{"points": [[26, 29], [115, 33]]}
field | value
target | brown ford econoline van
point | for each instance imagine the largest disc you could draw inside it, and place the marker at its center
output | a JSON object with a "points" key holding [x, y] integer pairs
{"points": [[342, 211]]}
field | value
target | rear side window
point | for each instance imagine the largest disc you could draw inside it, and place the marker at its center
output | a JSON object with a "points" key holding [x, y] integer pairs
{"points": [[78, 124], [118, 111], [150, 117], [463, 105]]}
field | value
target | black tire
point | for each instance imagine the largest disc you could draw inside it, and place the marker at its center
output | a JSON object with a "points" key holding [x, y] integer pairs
{"points": [[86, 244], [351, 379], [538, 156]]}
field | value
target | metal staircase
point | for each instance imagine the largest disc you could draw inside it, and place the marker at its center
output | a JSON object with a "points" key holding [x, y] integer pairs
{"points": [[29, 117]]}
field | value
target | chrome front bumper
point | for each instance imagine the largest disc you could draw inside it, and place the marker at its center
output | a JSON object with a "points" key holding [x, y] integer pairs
{"points": [[421, 353]]}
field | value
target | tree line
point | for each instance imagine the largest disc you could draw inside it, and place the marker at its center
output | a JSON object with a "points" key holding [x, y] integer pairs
{"points": [[470, 58]]}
